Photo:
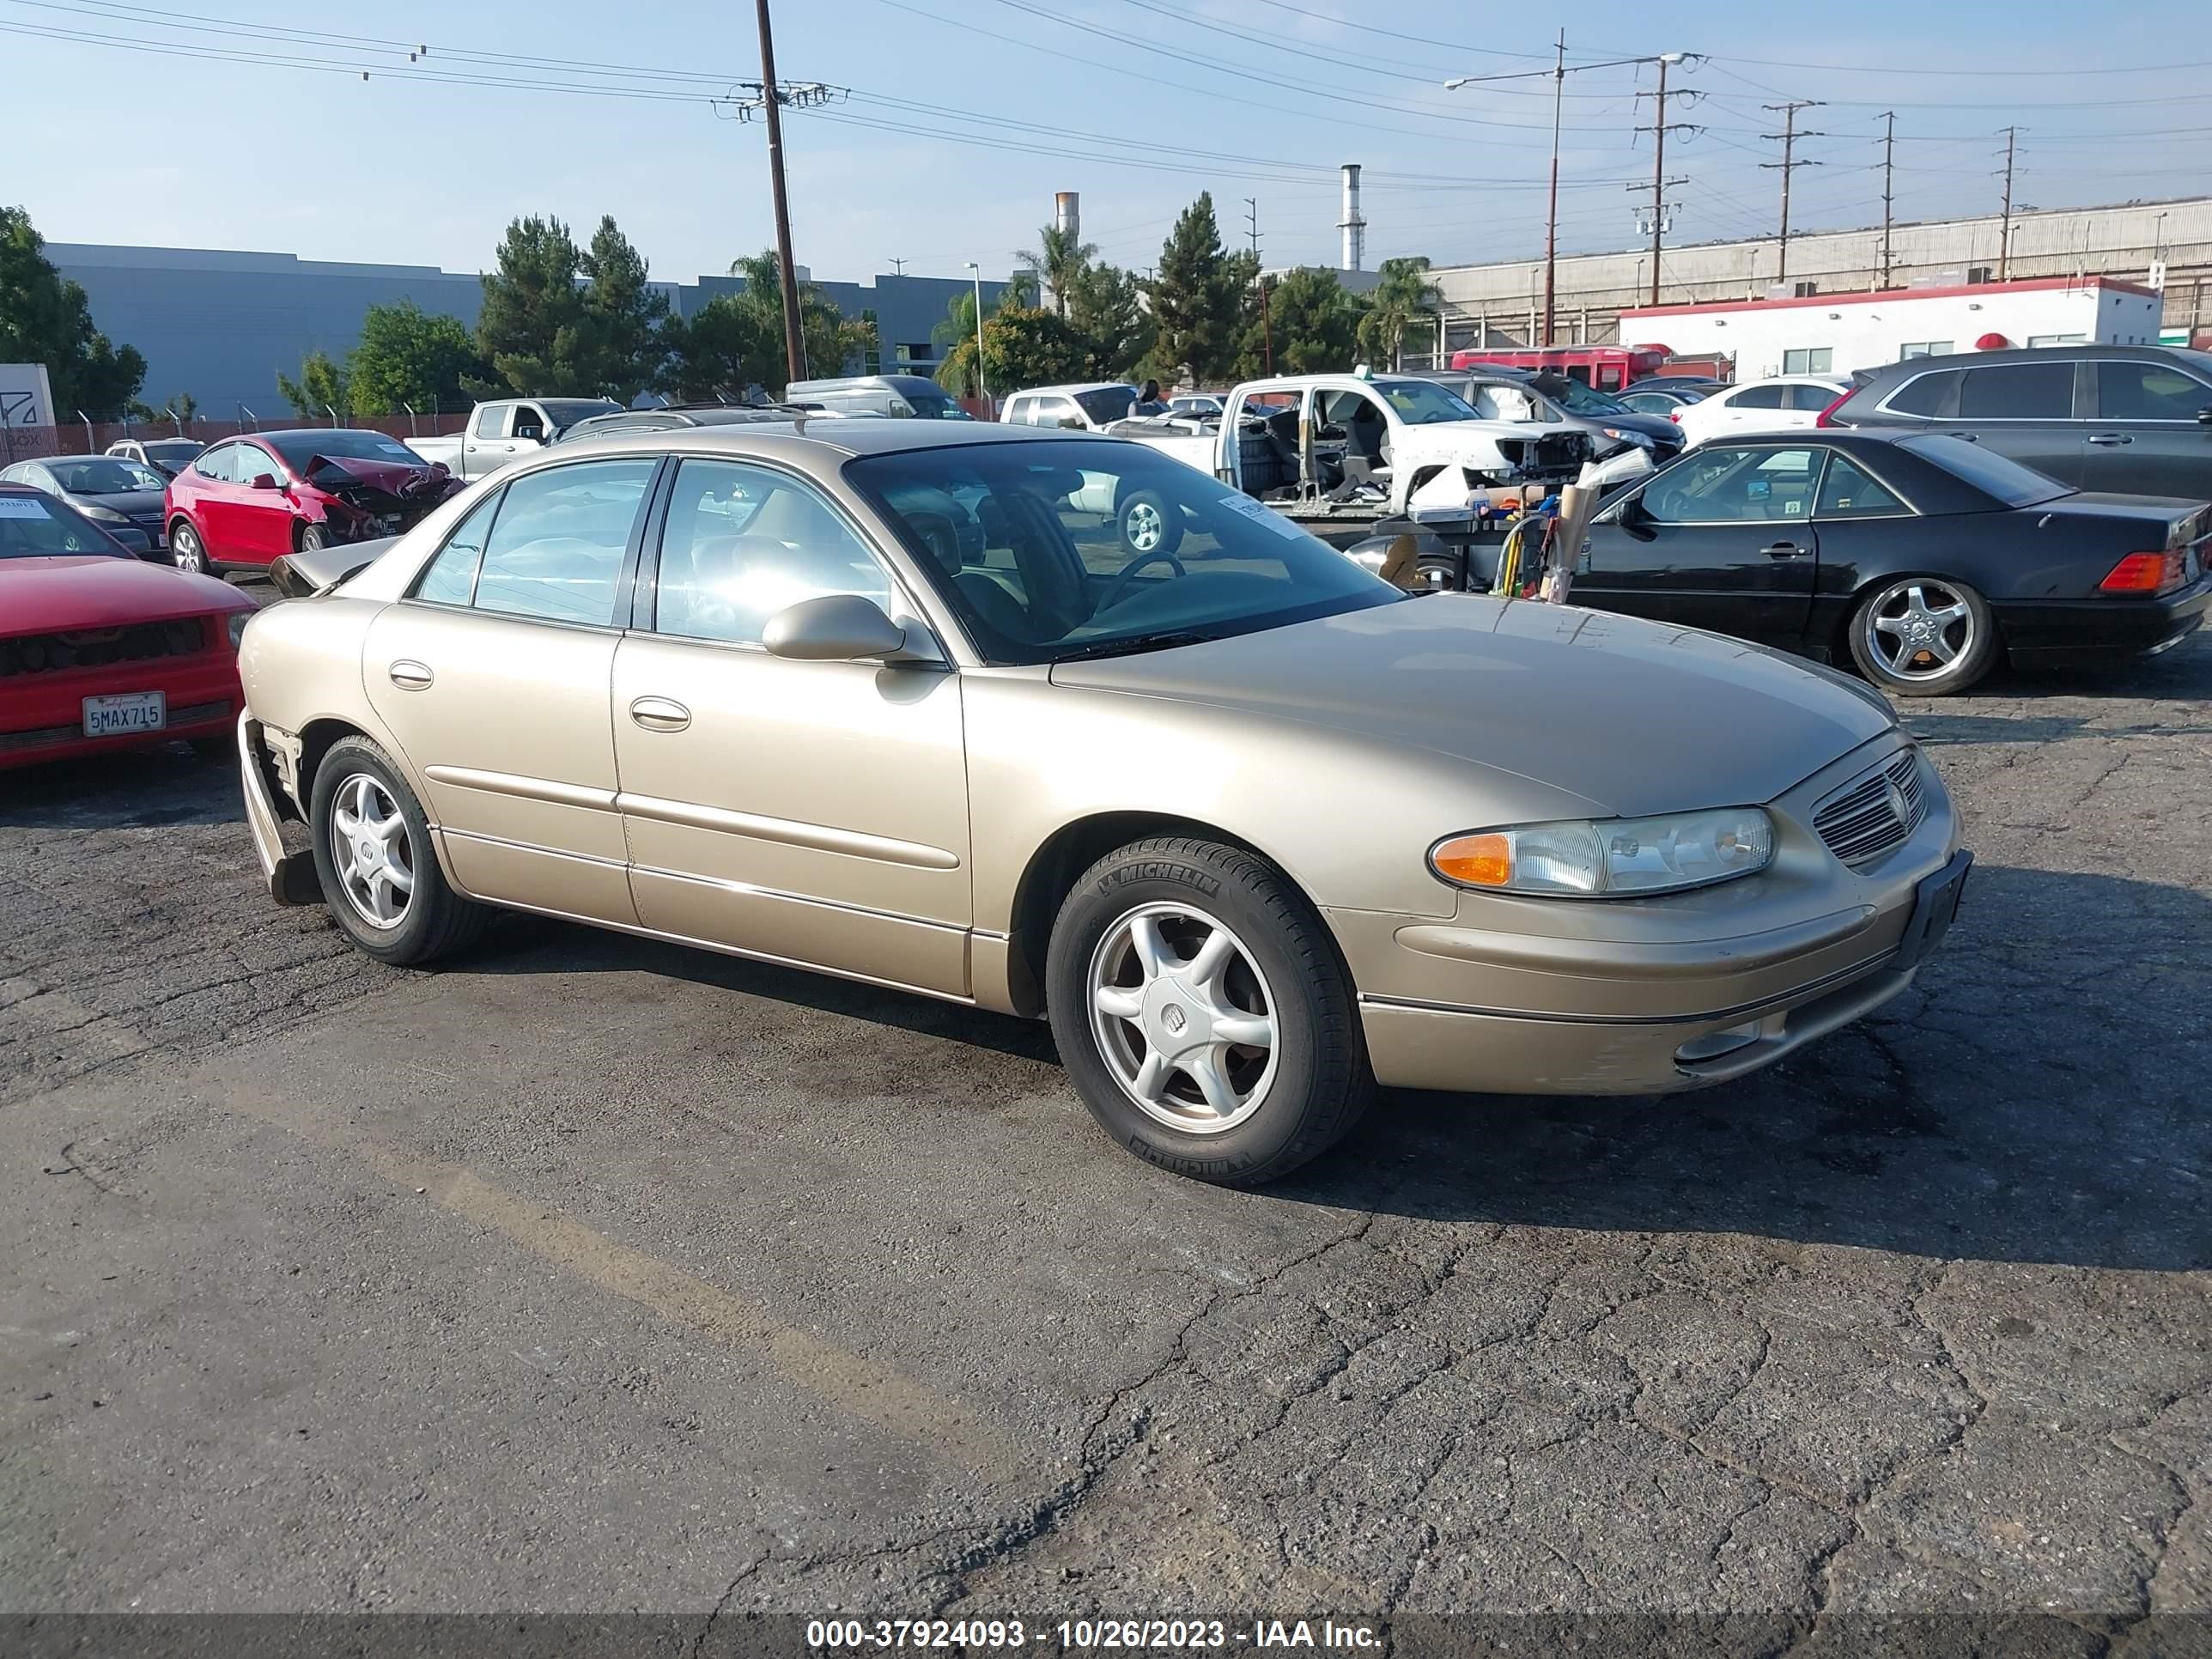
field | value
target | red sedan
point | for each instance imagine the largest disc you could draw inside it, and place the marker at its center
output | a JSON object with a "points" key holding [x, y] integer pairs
{"points": [[101, 650], [249, 501]]}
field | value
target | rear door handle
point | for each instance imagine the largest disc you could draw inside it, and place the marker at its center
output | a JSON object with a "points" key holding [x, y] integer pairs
{"points": [[2109, 439], [661, 714], [1782, 550], [410, 676]]}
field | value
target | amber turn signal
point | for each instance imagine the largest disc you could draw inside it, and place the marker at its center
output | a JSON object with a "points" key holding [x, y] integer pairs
{"points": [[1477, 860]]}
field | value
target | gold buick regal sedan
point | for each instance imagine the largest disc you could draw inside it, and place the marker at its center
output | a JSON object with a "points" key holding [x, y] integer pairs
{"points": [[1253, 829]]}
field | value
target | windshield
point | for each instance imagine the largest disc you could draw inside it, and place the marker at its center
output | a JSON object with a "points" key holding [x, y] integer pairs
{"points": [[1580, 398], [565, 412], [935, 407], [1110, 402], [1024, 542], [105, 475], [175, 451], [42, 527], [342, 443], [1421, 402], [1993, 475]]}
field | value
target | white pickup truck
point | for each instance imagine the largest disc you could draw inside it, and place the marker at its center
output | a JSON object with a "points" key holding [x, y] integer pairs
{"points": [[1353, 446], [506, 429]]}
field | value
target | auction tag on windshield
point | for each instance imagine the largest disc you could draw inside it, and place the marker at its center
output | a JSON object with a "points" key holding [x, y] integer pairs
{"points": [[23, 506], [1261, 513]]}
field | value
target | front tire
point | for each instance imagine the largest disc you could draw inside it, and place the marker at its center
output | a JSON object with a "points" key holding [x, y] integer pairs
{"points": [[1202, 1013], [313, 538], [187, 551], [379, 872], [1924, 636]]}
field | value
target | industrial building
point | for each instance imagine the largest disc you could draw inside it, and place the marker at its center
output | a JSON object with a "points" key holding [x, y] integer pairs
{"points": [[221, 326], [2165, 246]]}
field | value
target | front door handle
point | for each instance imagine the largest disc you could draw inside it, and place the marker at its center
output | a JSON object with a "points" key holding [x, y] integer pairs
{"points": [[1782, 550], [2110, 440], [410, 676], [661, 714]]}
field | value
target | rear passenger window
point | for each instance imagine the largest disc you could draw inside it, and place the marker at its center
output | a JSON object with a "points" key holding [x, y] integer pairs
{"points": [[1814, 397], [555, 548], [2149, 391], [2019, 392], [1758, 397], [451, 578], [1929, 396], [1847, 492], [488, 420]]}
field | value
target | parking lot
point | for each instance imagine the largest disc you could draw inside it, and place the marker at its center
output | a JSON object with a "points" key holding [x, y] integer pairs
{"points": [[592, 1274]]}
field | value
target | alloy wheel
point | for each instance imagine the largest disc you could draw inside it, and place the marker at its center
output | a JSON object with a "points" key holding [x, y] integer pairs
{"points": [[372, 851], [1184, 1017], [1143, 526], [185, 552], [1917, 629]]}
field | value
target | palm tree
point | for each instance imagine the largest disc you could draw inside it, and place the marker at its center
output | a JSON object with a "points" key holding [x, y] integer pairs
{"points": [[1402, 293], [1058, 261]]}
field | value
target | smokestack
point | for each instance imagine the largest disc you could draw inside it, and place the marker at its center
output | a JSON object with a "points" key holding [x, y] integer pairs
{"points": [[1067, 215], [1353, 226]]}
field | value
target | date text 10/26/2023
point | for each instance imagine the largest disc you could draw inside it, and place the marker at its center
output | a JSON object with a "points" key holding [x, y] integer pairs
{"points": [[1091, 1635]]}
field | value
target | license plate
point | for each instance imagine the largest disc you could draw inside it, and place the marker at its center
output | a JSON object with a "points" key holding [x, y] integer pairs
{"points": [[1934, 908], [134, 711]]}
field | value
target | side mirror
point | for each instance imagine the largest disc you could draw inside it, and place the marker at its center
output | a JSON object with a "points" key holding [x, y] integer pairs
{"points": [[835, 628], [2204, 416], [531, 434], [264, 481]]}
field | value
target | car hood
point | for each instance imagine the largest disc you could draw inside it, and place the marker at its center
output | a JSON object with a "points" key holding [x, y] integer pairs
{"points": [[1634, 717], [90, 590], [132, 503], [1651, 426], [424, 480]]}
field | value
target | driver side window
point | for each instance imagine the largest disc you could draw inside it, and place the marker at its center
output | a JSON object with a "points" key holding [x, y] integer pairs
{"points": [[742, 543]]}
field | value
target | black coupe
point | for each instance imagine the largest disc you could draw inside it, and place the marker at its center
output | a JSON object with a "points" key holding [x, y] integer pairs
{"points": [[1923, 558]]}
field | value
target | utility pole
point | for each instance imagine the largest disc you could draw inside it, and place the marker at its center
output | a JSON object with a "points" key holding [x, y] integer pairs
{"points": [[1788, 164], [1551, 214], [1660, 181], [1252, 231], [795, 343], [898, 267], [2004, 233], [1889, 178]]}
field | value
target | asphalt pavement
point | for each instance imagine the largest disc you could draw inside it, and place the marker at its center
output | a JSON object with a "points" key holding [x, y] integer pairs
{"points": [[588, 1274]]}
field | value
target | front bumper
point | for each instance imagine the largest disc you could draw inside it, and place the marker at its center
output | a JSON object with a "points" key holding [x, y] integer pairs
{"points": [[290, 877], [2055, 633], [1535, 996], [42, 716]]}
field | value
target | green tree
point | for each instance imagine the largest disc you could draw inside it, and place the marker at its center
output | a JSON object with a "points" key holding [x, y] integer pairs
{"points": [[46, 318], [831, 340], [1106, 309], [1315, 322], [720, 351], [1058, 261], [621, 342], [409, 355], [955, 334], [1197, 300], [1403, 294], [323, 385], [530, 325], [1028, 345]]}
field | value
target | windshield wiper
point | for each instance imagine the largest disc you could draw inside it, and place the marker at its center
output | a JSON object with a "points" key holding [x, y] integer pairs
{"points": [[1135, 642]]}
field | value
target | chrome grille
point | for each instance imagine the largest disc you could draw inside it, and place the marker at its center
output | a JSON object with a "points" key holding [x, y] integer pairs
{"points": [[1865, 819]]}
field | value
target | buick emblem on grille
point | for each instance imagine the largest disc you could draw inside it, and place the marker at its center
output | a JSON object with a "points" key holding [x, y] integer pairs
{"points": [[1897, 801]]}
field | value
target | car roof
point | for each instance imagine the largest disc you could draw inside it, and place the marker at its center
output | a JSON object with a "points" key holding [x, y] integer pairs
{"points": [[2198, 361], [1078, 386], [843, 437]]}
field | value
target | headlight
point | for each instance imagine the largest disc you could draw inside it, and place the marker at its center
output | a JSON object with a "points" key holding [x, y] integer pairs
{"points": [[238, 621], [1609, 858], [99, 514]]}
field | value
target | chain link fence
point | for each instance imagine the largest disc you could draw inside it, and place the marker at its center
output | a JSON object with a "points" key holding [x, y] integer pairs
{"points": [[30, 443]]}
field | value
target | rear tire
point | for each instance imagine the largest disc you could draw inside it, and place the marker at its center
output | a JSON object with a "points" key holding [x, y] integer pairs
{"points": [[188, 552], [1148, 522], [1924, 636], [388, 895], [1203, 1014]]}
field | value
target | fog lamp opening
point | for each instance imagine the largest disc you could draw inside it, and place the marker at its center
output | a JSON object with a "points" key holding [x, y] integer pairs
{"points": [[1713, 1044]]}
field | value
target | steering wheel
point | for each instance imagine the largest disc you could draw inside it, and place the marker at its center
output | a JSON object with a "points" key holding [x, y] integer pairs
{"points": [[1121, 577]]}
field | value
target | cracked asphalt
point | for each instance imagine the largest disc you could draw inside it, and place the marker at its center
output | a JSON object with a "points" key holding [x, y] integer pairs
{"points": [[590, 1275]]}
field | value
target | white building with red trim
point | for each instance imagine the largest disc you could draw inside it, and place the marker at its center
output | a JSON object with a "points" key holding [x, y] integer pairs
{"points": [[1837, 333]]}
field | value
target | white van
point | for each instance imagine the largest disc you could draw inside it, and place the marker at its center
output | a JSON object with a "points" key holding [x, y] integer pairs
{"points": [[900, 397]]}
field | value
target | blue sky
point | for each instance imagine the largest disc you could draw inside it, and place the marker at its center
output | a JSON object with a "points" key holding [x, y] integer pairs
{"points": [[159, 133]]}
